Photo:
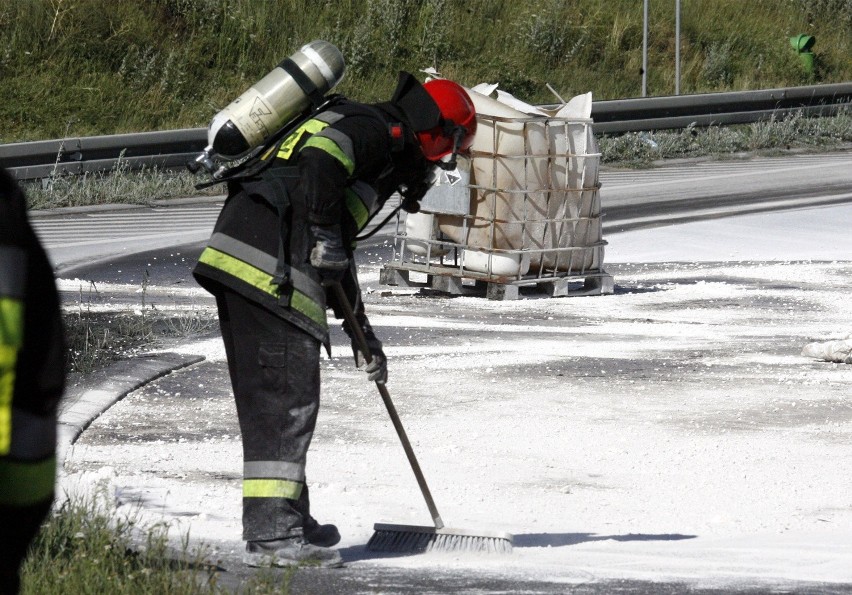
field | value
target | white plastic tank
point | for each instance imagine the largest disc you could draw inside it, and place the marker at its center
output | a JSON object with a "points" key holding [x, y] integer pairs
{"points": [[533, 199], [496, 173]]}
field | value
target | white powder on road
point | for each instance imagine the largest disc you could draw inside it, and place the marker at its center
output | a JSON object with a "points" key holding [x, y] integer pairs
{"points": [[671, 431]]}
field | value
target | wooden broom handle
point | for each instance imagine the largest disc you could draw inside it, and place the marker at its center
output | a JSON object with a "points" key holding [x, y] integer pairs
{"points": [[361, 343]]}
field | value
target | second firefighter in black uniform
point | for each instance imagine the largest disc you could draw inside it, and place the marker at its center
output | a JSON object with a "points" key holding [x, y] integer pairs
{"points": [[32, 378], [285, 232]]}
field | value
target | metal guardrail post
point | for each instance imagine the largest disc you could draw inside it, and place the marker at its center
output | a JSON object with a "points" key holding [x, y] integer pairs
{"points": [[677, 47], [645, 49]]}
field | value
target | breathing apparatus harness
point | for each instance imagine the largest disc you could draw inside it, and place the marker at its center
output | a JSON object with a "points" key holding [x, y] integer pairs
{"points": [[410, 103], [251, 166]]}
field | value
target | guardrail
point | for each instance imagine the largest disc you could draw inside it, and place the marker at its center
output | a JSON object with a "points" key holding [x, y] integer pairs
{"points": [[42, 159], [660, 113], [173, 148]]}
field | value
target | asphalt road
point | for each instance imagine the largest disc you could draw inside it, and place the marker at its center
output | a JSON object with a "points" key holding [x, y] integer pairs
{"points": [[78, 241], [693, 191], [702, 349], [632, 202]]}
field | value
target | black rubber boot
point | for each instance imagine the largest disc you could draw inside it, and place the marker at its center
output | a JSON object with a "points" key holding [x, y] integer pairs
{"points": [[292, 551], [321, 535]]}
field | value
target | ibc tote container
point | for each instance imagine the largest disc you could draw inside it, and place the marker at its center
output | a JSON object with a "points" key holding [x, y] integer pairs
{"points": [[527, 211]]}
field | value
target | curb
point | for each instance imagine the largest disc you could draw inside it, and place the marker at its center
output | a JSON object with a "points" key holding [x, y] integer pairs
{"points": [[109, 207], [103, 388]]}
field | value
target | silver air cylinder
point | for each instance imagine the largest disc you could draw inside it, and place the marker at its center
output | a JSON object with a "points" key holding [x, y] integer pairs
{"points": [[272, 102]]}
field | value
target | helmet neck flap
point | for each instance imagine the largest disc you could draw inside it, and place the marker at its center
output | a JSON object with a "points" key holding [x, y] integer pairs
{"points": [[437, 134]]}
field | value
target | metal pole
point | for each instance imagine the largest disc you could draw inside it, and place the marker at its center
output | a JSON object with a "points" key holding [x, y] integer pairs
{"points": [[645, 50], [677, 47]]}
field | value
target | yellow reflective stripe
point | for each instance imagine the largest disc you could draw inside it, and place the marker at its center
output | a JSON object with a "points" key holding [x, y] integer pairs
{"points": [[313, 126], [25, 484], [271, 488], [266, 263], [11, 321], [8, 359], [299, 301], [262, 281], [239, 269], [342, 140], [357, 209], [329, 146], [11, 338]]}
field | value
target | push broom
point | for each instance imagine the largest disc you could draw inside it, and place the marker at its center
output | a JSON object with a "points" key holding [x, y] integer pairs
{"points": [[414, 538]]}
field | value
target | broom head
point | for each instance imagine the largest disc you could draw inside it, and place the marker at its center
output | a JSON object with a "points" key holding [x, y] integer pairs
{"points": [[418, 539]]}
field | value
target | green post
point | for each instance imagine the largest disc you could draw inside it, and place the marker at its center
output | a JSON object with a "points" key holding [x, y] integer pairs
{"points": [[803, 44]]}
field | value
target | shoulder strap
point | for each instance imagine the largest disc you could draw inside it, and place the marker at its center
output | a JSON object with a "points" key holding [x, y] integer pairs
{"points": [[304, 82], [396, 132]]}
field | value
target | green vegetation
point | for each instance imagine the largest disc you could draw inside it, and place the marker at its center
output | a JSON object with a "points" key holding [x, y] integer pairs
{"points": [[95, 337], [87, 67], [85, 548], [120, 185], [641, 149]]}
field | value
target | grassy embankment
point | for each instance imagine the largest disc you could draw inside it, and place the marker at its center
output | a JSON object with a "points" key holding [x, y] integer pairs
{"points": [[87, 67]]}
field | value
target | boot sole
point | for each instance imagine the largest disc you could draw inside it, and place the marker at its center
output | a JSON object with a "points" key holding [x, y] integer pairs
{"points": [[264, 560]]}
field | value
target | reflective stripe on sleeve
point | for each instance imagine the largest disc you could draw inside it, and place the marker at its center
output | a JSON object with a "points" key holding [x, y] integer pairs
{"points": [[357, 209], [272, 488], [11, 322], [7, 386], [332, 148], [26, 484], [11, 338], [362, 202], [341, 140]]}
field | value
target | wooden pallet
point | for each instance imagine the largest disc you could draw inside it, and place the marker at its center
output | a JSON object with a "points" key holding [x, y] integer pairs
{"points": [[448, 280]]}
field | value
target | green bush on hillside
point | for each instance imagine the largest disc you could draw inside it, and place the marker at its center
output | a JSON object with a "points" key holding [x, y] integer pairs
{"points": [[84, 67]]}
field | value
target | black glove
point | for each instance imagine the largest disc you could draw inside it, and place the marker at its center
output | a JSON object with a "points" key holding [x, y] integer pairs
{"points": [[328, 255], [413, 193], [377, 369]]}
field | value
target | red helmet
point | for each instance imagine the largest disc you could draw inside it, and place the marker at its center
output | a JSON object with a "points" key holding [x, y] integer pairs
{"points": [[455, 134]]}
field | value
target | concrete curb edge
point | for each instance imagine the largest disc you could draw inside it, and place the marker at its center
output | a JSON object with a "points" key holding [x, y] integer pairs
{"points": [[106, 387]]}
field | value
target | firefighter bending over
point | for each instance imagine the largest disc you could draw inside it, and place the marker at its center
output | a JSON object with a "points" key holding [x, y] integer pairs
{"points": [[287, 230]]}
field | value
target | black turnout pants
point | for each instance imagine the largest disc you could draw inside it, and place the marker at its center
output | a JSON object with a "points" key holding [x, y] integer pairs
{"points": [[274, 369], [18, 527]]}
